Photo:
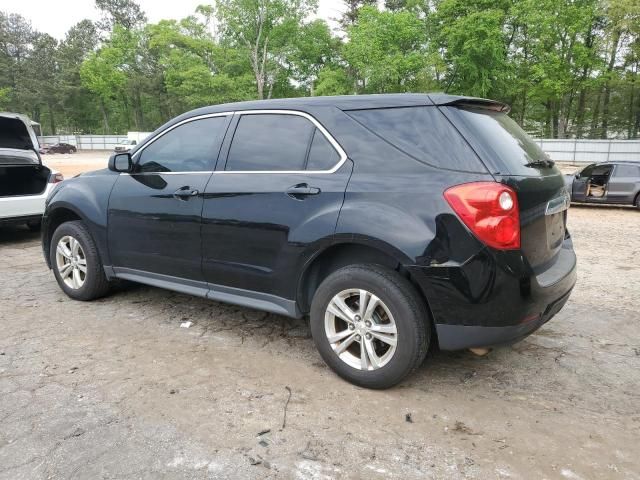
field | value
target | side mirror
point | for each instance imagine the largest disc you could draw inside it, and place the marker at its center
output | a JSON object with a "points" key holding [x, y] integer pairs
{"points": [[121, 162]]}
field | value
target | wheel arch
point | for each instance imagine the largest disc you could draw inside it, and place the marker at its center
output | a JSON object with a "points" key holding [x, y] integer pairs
{"points": [[56, 217], [342, 254]]}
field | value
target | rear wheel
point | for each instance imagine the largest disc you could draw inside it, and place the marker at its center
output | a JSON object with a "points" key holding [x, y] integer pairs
{"points": [[369, 325], [76, 263]]}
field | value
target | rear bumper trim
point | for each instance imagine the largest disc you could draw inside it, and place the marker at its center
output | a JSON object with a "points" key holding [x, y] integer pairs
{"points": [[460, 337]]}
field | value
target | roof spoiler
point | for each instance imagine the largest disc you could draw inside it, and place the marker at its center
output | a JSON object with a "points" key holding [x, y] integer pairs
{"points": [[470, 102]]}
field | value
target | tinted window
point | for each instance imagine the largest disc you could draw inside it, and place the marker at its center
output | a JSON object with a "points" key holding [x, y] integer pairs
{"points": [[322, 155], [270, 142], [422, 132], [600, 170], [502, 139], [587, 171], [627, 171], [191, 147]]}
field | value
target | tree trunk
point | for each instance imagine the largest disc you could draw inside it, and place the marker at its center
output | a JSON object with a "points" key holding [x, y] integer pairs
{"points": [[105, 118], [632, 102], [548, 131], [582, 99], [52, 120], [138, 110], [607, 85], [596, 116]]}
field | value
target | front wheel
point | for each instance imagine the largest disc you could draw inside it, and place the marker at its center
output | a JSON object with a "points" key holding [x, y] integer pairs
{"points": [[76, 262], [370, 325]]}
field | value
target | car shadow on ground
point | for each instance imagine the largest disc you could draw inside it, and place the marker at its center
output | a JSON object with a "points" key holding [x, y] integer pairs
{"points": [[17, 235], [257, 329]]}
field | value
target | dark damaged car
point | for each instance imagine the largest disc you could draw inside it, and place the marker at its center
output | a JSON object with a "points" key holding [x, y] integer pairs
{"points": [[394, 222]]}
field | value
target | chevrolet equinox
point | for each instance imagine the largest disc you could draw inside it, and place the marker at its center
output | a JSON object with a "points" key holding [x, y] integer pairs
{"points": [[394, 222]]}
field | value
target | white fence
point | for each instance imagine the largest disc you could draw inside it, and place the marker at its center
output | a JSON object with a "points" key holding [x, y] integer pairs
{"points": [[590, 151], [576, 151]]}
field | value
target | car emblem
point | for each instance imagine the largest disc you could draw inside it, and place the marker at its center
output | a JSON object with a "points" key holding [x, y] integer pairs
{"points": [[558, 204]]}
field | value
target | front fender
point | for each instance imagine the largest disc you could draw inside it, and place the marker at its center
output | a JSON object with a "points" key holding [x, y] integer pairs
{"points": [[85, 197]]}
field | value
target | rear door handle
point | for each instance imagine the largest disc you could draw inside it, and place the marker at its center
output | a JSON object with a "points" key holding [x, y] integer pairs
{"points": [[302, 190], [184, 193]]}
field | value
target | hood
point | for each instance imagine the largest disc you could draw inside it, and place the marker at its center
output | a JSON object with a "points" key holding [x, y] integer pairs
{"points": [[18, 141]]}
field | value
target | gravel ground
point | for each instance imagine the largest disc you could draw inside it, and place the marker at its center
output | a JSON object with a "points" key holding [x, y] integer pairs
{"points": [[117, 388]]}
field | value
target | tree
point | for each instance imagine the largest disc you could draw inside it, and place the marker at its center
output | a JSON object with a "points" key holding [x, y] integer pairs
{"points": [[77, 103], [350, 15], [103, 75], [314, 49], [125, 13], [266, 29], [386, 49], [471, 36]]}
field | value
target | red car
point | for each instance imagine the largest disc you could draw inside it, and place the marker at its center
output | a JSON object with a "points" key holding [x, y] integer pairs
{"points": [[60, 148]]}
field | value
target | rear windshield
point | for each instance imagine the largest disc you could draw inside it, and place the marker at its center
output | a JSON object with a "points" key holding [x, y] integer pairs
{"points": [[501, 139], [423, 133]]}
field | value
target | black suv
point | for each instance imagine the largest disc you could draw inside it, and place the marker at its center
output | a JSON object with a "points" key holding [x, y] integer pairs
{"points": [[395, 222]]}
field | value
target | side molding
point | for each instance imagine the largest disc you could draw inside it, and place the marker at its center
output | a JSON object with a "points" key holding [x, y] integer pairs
{"points": [[220, 293]]}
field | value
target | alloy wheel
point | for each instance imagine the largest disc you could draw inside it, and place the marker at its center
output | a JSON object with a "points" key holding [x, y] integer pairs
{"points": [[71, 262], [361, 329]]}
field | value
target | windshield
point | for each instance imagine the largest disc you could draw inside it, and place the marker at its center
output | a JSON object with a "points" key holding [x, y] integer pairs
{"points": [[503, 141]]}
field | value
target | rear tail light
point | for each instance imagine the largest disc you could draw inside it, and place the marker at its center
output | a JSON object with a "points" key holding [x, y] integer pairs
{"points": [[56, 178], [490, 210]]}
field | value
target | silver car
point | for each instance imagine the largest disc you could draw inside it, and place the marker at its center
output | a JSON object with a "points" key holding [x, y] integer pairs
{"points": [[608, 182]]}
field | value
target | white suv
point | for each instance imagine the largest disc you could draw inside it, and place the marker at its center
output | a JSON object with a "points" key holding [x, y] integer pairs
{"points": [[25, 182]]}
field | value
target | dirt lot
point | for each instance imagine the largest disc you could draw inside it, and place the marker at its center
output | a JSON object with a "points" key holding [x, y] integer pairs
{"points": [[70, 164], [117, 389]]}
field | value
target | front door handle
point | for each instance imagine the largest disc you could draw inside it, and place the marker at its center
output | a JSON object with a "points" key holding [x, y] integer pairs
{"points": [[184, 193], [302, 190]]}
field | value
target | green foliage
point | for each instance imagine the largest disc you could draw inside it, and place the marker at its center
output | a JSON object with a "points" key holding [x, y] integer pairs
{"points": [[386, 50], [333, 81], [567, 68]]}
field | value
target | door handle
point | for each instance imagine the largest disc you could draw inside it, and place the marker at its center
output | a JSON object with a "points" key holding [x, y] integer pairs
{"points": [[184, 193], [302, 190]]}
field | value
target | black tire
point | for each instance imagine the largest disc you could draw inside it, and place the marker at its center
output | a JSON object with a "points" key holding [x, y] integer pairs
{"points": [[95, 283], [34, 226], [404, 303]]}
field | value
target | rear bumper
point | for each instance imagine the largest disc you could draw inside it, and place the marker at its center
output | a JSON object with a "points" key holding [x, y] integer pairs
{"points": [[14, 208], [495, 298], [459, 337]]}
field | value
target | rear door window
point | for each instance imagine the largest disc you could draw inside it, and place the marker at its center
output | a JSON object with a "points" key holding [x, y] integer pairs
{"points": [[424, 133], [270, 142], [322, 155], [627, 171]]}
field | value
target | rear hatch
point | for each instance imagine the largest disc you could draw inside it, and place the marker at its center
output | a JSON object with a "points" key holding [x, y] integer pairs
{"points": [[21, 169], [18, 141], [516, 160]]}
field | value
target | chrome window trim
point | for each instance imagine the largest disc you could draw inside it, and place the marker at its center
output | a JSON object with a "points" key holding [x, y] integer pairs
{"points": [[318, 125], [182, 122], [186, 120]]}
